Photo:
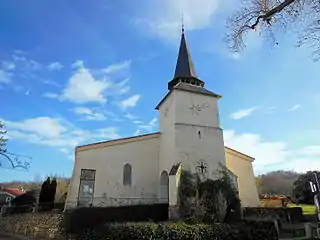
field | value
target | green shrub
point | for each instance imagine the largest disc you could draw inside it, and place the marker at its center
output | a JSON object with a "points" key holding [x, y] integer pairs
{"points": [[208, 201], [183, 231], [81, 219]]}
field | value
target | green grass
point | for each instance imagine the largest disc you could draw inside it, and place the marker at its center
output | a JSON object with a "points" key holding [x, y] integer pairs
{"points": [[306, 209]]}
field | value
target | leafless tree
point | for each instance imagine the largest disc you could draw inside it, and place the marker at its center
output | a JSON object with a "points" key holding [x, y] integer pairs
{"points": [[269, 16], [3, 140]]}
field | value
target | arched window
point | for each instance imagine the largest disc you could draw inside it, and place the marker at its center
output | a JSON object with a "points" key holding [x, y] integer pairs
{"points": [[127, 175], [164, 187], [164, 178]]}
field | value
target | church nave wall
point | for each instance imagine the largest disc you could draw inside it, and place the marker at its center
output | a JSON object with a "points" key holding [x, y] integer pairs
{"points": [[109, 163]]}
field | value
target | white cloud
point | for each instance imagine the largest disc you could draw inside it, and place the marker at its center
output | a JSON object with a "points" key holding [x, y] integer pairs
{"points": [[137, 122], [149, 126], [64, 150], [92, 85], [130, 116], [163, 17], [294, 108], [78, 64], [50, 82], [4, 77], [50, 95], [82, 110], [57, 133], [90, 114], [25, 63], [83, 87], [273, 155], [242, 113], [107, 133], [130, 102], [310, 151], [47, 127], [9, 66], [137, 132], [55, 66], [118, 67]]}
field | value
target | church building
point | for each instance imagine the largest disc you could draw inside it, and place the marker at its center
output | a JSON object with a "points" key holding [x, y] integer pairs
{"points": [[145, 169]]}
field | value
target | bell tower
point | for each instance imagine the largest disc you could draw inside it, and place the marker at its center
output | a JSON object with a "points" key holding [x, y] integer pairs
{"points": [[189, 121]]}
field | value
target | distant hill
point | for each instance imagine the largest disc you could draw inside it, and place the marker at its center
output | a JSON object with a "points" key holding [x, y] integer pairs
{"points": [[277, 182]]}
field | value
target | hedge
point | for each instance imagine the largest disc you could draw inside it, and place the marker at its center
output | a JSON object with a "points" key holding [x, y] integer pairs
{"points": [[183, 231], [79, 219]]}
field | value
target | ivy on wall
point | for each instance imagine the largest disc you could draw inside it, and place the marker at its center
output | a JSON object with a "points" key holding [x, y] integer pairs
{"points": [[209, 200]]}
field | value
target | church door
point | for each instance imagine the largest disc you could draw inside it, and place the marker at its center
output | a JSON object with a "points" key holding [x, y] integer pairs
{"points": [[164, 187]]}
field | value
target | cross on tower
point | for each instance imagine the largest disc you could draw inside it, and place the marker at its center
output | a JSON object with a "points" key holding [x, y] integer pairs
{"points": [[202, 168]]}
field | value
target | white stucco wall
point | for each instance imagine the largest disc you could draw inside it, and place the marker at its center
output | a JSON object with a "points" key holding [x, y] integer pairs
{"points": [[241, 166], [141, 153], [198, 136], [209, 114], [166, 114]]}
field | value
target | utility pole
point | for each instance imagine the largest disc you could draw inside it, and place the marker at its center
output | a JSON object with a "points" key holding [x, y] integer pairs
{"points": [[315, 189]]}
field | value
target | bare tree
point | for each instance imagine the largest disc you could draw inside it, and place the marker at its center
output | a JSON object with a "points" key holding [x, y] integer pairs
{"points": [[269, 16], [3, 140]]}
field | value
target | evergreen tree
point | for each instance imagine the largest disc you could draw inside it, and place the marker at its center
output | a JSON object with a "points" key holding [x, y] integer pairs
{"points": [[301, 188], [44, 197], [52, 192]]}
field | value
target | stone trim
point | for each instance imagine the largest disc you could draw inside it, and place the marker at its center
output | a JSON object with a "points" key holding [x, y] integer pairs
{"points": [[196, 125]]}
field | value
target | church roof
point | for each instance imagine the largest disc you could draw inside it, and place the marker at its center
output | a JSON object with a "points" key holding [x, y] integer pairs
{"points": [[195, 89], [184, 71], [184, 67], [189, 88], [118, 141]]}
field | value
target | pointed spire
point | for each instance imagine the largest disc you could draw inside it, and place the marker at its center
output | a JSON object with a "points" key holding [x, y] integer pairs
{"points": [[184, 72], [184, 67]]}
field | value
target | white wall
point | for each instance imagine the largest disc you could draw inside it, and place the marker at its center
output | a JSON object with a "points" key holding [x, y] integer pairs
{"points": [[180, 140], [208, 116], [109, 161], [242, 167], [166, 127], [197, 133]]}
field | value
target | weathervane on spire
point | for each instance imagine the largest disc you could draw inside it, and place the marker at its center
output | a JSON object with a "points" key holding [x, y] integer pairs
{"points": [[182, 24]]}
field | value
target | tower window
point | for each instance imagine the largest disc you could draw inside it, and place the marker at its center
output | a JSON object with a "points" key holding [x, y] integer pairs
{"points": [[199, 134]]}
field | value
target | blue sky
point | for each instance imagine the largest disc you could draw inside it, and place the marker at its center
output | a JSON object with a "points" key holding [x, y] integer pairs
{"points": [[76, 72]]}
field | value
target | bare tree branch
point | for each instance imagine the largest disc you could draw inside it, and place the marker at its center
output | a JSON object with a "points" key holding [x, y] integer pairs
{"points": [[267, 16]]}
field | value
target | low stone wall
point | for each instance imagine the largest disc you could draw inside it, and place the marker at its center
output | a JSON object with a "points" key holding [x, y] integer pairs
{"points": [[284, 215], [44, 225]]}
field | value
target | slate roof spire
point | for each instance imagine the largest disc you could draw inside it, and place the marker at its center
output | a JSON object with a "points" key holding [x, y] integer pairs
{"points": [[184, 71]]}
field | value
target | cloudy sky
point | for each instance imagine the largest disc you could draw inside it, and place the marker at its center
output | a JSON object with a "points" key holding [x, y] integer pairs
{"points": [[75, 72]]}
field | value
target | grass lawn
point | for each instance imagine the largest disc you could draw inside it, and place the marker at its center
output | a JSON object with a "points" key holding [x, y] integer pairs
{"points": [[306, 209]]}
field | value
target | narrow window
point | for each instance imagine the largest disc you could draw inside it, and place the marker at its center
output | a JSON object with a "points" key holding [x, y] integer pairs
{"points": [[127, 175], [199, 134]]}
